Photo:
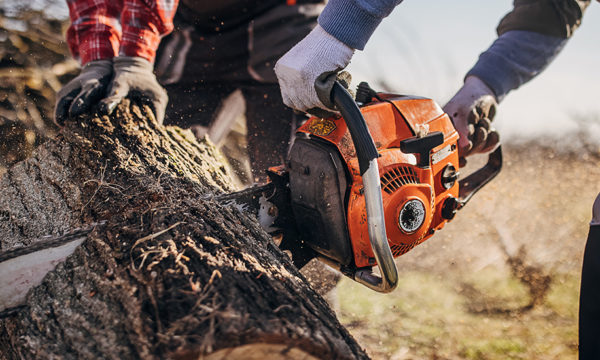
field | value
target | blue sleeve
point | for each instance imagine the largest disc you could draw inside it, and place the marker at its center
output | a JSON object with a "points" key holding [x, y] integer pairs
{"points": [[354, 21], [515, 58]]}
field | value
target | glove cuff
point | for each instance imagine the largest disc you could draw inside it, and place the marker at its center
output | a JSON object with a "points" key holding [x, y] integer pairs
{"points": [[475, 86], [319, 42], [94, 65], [132, 62]]}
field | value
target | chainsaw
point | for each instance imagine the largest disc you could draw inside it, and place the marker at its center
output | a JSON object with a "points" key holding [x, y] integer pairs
{"points": [[358, 189], [366, 186]]}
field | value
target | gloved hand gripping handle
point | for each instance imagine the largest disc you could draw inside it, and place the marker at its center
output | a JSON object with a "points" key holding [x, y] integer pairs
{"points": [[367, 155]]}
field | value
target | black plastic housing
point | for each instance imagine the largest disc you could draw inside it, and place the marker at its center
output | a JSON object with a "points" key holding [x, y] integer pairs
{"points": [[318, 186]]}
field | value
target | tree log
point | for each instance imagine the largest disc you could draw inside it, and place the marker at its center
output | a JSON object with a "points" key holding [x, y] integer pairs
{"points": [[171, 273]]}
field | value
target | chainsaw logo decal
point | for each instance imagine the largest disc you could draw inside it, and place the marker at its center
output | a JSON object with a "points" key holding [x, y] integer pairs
{"points": [[321, 127]]}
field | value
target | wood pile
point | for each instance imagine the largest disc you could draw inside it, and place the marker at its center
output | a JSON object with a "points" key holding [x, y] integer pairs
{"points": [[34, 64]]}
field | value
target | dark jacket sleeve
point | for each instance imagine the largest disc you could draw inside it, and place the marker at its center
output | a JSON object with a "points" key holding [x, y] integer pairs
{"points": [[558, 18]]}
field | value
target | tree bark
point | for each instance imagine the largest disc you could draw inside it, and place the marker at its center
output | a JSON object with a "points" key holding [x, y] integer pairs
{"points": [[171, 273]]}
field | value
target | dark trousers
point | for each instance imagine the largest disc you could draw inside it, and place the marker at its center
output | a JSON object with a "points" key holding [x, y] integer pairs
{"points": [[589, 298], [200, 68], [269, 123]]}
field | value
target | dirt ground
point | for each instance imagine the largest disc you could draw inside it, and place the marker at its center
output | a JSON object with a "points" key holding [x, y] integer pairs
{"points": [[464, 294]]}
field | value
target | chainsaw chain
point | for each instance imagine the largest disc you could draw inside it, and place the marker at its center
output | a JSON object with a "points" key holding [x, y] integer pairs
{"points": [[246, 192], [11, 311], [49, 242]]}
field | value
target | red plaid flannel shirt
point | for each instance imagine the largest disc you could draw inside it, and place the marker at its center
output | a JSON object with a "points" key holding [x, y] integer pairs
{"points": [[103, 29]]}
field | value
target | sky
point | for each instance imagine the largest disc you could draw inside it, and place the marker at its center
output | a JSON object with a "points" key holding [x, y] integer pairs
{"points": [[425, 47]]}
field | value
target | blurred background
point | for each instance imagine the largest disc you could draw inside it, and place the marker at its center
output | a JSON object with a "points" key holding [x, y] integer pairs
{"points": [[499, 282], [426, 47]]}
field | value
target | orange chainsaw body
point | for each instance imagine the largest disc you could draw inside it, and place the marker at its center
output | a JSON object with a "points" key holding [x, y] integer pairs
{"points": [[403, 178]]}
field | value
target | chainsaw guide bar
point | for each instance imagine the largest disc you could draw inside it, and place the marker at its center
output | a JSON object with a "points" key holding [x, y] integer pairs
{"points": [[25, 267]]}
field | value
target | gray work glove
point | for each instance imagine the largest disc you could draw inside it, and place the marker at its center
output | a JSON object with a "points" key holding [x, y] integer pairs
{"points": [[472, 110], [134, 79], [306, 73], [79, 94]]}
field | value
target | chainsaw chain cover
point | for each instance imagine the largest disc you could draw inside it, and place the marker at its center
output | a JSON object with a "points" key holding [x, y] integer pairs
{"points": [[318, 186]]}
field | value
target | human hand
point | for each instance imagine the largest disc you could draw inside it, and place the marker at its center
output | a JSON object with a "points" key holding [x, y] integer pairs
{"points": [[85, 90], [134, 78], [472, 110], [307, 72]]}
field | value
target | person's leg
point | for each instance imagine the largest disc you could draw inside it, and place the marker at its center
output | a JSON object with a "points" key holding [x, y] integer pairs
{"points": [[200, 69], [195, 105], [589, 297], [270, 125], [194, 71], [275, 32]]}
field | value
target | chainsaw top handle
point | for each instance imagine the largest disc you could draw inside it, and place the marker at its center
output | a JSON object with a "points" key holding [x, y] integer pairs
{"points": [[367, 155]]}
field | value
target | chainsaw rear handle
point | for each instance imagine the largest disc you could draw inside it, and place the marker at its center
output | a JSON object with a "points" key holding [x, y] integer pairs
{"points": [[367, 155], [475, 181]]}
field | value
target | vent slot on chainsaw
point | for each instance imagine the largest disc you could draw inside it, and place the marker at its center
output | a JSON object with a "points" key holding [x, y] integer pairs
{"points": [[401, 249], [397, 177]]}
